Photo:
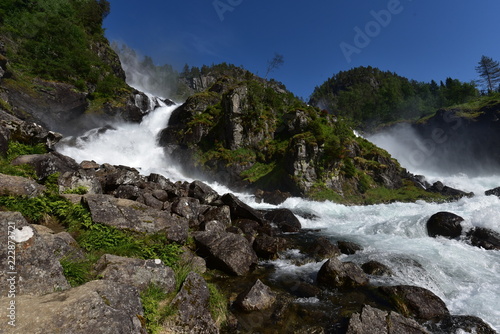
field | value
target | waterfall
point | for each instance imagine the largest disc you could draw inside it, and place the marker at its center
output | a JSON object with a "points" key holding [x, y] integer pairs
{"points": [[467, 278]]}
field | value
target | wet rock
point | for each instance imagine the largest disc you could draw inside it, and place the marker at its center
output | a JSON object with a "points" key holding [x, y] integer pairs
{"points": [[229, 252], [439, 187], [444, 224], [136, 272], [267, 247], [130, 215], [240, 210], [272, 197], [192, 303], [372, 320], [460, 324], [416, 302], [19, 186], [349, 248], [335, 273], [322, 248], [204, 193], [493, 192], [284, 219], [100, 307], [256, 298], [485, 238], [376, 268], [37, 271]]}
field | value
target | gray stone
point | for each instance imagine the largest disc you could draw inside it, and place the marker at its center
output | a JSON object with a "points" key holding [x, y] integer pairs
{"points": [[37, 270], [99, 307], [204, 193], [62, 244], [130, 215], [19, 186], [229, 252], [136, 272], [192, 302], [258, 297]]}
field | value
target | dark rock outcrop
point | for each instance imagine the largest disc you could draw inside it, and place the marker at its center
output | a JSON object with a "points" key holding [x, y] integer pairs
{"points": [[444, 224], [349, 248], [376, 268], [284, 219], [460, 324], [493, 192]]}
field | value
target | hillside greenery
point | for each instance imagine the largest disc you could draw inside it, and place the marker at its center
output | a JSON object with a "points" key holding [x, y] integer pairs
{"points": [[60, 40], [371, 97]]}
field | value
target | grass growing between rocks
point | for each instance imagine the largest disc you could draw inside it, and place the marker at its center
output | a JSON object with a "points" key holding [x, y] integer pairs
{"points": [[157, 308], [16, 149]]}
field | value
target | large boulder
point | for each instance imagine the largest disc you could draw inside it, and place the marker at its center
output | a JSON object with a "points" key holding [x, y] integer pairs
{"points": [[204, 193], [19, 186], [240, 210], [416, 302], [130, 215], [335, 273], [100, 307], [256, 298], [136, 272], [460, 324], [47, 164], [62, 244], [372, 320], [192, 303], [284, 219], [493, 192], [226, 251], [444, 224], [31, 267]]}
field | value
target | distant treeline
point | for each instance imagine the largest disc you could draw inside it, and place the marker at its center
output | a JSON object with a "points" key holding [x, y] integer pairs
{"points": [[371, 97]]}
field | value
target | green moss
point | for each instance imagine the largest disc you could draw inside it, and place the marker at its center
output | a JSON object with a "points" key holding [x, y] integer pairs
{"points": [[258, 171]]}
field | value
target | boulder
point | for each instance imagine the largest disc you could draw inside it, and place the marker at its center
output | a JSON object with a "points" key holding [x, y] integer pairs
{"points": [[267, 247], [439, 187], [335, 273], [348, 248], [444, 224], [240, 210], [111, 177], [186, 207], [204, 193], [136, 272], [284, 219], [485, 238], [222, 214], [33, 267], [372, 320], [19, 186], [258, 297], [48, 164], [376, 268], [272, 197], [62, 244], [322, 248], [100, 307], [130, 215], [229, 252], [85, 178], [416, 302], [192, 303], [460, 324]]}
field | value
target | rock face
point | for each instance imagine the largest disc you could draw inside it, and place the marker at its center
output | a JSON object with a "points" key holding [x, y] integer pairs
{"points": [[193, 304], [372, 320], [37, 271], [444, 224], [335, 273], [101, 307]]}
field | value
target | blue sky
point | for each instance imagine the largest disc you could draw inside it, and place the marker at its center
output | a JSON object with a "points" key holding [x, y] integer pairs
{"points": [[419, 39]]}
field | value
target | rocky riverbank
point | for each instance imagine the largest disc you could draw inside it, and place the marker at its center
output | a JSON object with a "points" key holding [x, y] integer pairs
{"points": [[202, 254]]}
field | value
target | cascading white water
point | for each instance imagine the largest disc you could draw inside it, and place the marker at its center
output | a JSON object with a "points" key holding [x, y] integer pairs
{"points": [[467, 278]]}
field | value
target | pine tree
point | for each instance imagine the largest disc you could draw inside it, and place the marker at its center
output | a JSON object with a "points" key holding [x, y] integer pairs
{"points": [[489, 71]]}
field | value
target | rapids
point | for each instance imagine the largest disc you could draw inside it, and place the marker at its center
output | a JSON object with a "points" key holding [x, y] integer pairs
{"points": [[467, 278]]}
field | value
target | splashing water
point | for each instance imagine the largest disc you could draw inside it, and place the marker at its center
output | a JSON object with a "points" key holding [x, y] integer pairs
{"points": [[467, 278]]}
